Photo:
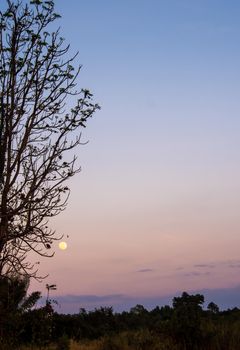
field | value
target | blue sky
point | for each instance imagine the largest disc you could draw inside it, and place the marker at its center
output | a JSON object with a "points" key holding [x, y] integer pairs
{"points": [[159, 189]]}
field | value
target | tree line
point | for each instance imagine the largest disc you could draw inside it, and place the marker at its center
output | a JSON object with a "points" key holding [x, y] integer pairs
{"points": [[186, 324]]}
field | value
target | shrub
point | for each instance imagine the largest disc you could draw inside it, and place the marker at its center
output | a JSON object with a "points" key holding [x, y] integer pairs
{"points": [[63, 343]]}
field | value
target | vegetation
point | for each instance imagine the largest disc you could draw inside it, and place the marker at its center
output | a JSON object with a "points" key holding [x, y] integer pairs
{"points": [[185, 325], [37, 131], [36, 135]]}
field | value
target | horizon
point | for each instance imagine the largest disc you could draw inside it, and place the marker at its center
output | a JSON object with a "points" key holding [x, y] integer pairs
{"points": [[225, 299], [155, 209]]}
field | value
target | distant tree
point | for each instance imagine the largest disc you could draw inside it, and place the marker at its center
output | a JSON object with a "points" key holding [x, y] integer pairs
{"points": [[138, 317], [138, 310], [50, 287], [186, 300], [37, 130], [186, 319], [101, 321], [166, 312], [213, 308]]}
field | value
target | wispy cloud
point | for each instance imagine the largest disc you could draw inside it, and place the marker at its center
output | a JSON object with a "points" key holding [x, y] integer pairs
{"points": [[196, 273], [234, 266], [223, 297], [69, 298], [120, 302], [227, 264], [72, 303], [211, 266], [179, 268], [145, 270]]}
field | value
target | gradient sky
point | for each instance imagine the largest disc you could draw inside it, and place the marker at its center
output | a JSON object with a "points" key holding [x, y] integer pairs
{"points": [[155, 210]]}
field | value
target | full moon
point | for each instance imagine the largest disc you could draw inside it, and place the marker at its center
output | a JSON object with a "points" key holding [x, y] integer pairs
{"points": [[62, 245]]}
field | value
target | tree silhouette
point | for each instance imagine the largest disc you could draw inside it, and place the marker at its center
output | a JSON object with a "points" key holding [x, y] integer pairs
{"points": [[14, 302], [213, 308], [36, 131], [50, 287], [186, 320]]}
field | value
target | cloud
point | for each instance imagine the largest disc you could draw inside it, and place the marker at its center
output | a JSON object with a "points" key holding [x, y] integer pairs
{"points": [[204, 266], [224, 297], [145, 270], [208, 268], [215, 264], [72, 303], [69, 298], [179, 268], [196, 273], [234, 266]]}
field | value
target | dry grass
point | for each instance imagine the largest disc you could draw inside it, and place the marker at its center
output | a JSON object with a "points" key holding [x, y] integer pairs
{"points": [[90, 345], [37, 348], [122, 341], [93, 345]]}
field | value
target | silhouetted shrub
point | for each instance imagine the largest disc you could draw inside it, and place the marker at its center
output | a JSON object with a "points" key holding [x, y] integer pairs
{"points": [[63, 343]]}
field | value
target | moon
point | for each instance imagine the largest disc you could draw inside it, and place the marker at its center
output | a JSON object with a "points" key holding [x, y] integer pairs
{"points": [[62, 245]]}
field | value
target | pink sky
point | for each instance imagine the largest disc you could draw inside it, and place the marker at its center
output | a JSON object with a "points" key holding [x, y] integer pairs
{"points": [[155, 209]]}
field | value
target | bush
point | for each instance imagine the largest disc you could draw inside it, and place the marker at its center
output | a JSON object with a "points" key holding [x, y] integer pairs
{"points": [[63, 343]]}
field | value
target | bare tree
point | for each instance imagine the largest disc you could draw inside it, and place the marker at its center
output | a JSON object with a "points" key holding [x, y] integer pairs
{"points": [[36, 131]]}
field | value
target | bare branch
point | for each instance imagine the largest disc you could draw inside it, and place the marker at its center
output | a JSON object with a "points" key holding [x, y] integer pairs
{"points": [[36, 133]]}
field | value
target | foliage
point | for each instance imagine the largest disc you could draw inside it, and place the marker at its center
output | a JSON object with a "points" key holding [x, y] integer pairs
{"points": [[186, 320], [185, 325], [14, 304], [63, 343]]}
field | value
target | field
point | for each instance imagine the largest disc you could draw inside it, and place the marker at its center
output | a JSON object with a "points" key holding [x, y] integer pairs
{"points": [[124, 341], [90, 345]]}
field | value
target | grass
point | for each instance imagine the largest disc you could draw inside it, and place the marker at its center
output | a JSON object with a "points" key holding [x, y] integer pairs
{"points": [[91, 345], [88, 345]]}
